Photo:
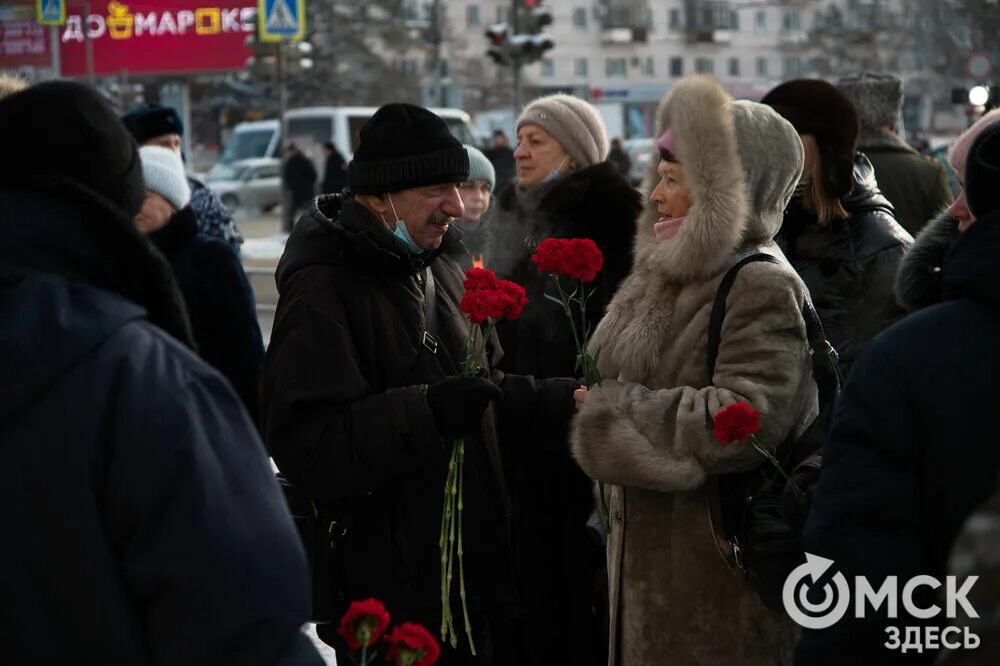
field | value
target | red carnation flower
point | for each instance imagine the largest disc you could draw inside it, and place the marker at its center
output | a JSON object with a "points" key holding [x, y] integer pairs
{"points": [[736, 422], [516, 298], [412, 640], [479, 278], [577, 258], [363, 621], [483, 304]]}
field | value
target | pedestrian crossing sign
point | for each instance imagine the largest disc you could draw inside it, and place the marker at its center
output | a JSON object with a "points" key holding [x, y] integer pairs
{"points": [[50, 12], [281, 20]]}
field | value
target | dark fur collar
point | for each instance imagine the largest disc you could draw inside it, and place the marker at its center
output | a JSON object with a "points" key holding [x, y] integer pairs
{"points": [[918, 279], [596, 202]]}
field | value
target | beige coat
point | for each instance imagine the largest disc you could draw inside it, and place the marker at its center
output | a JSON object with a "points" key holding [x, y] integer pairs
{"points": [[647, 428]]}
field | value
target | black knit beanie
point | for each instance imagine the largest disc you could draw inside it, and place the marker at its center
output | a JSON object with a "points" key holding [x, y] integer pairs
{"points": [[982, 172], [405, 146], [152, 120], [86, 157], [816, 107]]}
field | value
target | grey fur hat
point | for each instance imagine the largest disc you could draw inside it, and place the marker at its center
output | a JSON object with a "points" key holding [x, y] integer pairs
{"points": [[877, 97], [574, 123]]}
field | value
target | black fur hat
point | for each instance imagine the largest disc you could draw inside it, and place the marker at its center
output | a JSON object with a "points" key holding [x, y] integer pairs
{"points": [[817, 108], [405, 146]]}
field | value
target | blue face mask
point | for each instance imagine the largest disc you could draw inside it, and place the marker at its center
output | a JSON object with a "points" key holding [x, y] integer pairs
{"points": [[401, 232], [555, 173]]}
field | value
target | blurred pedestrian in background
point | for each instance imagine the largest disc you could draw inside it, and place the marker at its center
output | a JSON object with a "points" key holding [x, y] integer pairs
{"points": [[619, 157], [298, 184], [565, 188], [839, 232], [915, 185], [217, 295], [335, 170], [157, 125], [477, 194], [501, 156], [144, 521], [909, 454]]}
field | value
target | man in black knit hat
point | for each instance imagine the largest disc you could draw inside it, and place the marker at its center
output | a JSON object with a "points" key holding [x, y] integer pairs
{"points": [[143, 519], [360, 398]]}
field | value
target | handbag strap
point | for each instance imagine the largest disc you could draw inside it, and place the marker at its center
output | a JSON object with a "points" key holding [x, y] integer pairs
{"points": [[430, 311]]}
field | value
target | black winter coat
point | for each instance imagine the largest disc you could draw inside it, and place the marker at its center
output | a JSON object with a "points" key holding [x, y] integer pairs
{"points": [[849, 265], [561, 566], [334, 174], [912, 449], [142, 521], [298, 176], [219, 300], [345, 415]]}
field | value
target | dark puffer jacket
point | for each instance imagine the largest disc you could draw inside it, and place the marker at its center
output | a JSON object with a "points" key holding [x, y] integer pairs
{"points": [[849, 265], [911, 450], [345, 415], [559, 562], [143, 524]]}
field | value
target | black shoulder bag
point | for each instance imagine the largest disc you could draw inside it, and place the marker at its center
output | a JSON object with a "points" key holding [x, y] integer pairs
{"points": [[755, 507]]}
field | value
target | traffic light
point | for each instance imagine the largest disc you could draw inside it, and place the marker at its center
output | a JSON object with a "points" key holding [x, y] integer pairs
{"points": [[499, 51]]}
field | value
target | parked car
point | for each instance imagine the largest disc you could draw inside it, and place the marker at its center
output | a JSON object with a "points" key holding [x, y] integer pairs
{"points": [[259, 138], [253, 183], [639, 151]]}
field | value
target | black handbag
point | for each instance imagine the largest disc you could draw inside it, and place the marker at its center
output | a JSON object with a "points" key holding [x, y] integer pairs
{"points": [[762, 515]]}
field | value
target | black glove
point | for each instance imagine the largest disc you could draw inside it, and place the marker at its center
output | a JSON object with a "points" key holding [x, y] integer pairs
{"points": [[458, 403]]}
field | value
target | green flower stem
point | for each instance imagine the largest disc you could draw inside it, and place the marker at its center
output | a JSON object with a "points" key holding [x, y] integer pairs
{"points": [[452, 637], [364, 654], [461, 564], [569, 313], [446, 520]]}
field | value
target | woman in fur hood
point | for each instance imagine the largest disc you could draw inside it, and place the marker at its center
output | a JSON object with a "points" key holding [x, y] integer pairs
{"points": [[726, 172], [564, 189]]}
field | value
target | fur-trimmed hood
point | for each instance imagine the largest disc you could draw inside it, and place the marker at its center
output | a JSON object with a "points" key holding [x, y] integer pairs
{"points": [[918, 280], [741, 161]]}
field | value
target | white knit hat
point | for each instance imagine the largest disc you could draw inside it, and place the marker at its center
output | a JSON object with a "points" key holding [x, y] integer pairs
{"points": [[164, 174], [574, 123]]}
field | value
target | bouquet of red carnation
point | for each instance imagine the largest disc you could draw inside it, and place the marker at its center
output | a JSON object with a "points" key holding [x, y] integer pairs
{"points": [[409, 644], [739, 421], [486, 300], [577, 259]]}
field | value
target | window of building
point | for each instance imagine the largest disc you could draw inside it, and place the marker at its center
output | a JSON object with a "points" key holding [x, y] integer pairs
{"points": [[734, 67], [615, 67], [581, 67], [472, 17], [548, 68], [819, 19], [704, 66], [793, 67], [649, 67], [760, 22], [675, 19], [762, 67], [580, 17], [502, 14], [677, 67], [792, 21], [734, 20]]}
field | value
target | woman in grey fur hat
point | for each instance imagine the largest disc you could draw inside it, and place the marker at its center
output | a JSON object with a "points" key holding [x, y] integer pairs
{"points": [[725, 171]]}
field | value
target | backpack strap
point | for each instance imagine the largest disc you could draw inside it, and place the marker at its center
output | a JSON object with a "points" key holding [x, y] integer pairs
{"points": [[719, 305]]}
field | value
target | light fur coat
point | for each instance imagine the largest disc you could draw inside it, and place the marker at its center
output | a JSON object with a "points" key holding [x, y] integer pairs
{"points": [[647, 428]]}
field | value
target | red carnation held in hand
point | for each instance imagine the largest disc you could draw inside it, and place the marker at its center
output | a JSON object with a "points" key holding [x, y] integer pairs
{"points": [[516, 299], [577, 258], [412, 640], [486, 297], [479, 278], [363, 620], [736, 422]]}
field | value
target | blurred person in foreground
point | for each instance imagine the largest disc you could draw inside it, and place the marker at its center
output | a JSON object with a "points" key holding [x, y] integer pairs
{"points": [[839, 232], [217, 294], [915, 185], [912, 445], [157, 125], [144, 524]]}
